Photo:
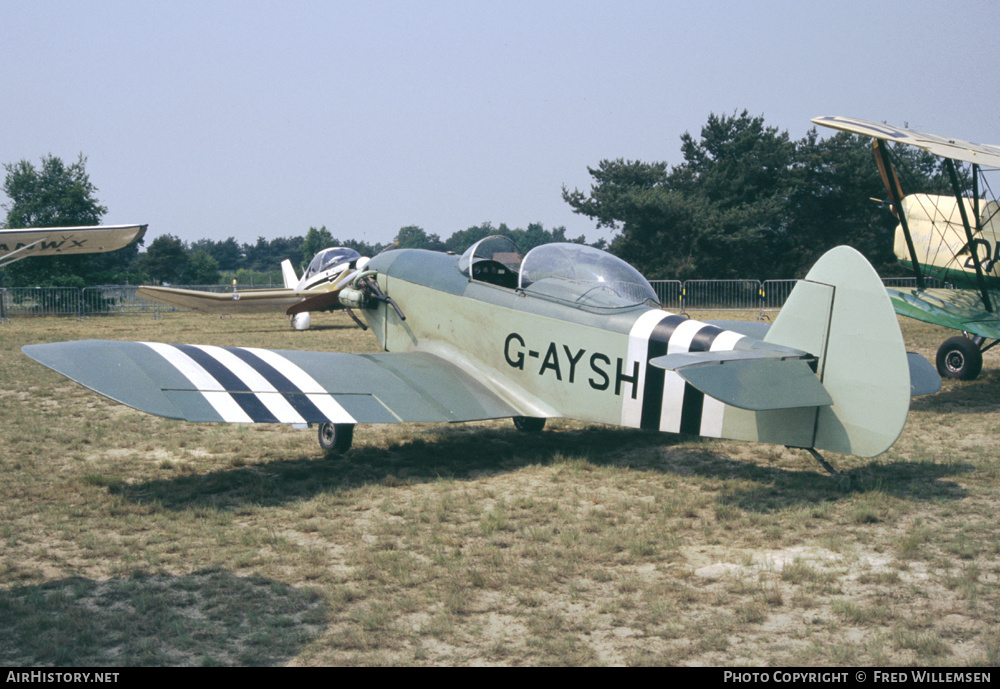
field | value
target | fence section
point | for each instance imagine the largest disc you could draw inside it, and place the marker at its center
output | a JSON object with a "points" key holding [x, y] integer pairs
{"points": [[774, 293], [706, 295], [722, 295], [40, 301], [669, 293], [88, 301]]}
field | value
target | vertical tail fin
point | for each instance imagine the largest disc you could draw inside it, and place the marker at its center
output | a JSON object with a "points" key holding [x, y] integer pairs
{"points": [[288, 274], [842, 314]]}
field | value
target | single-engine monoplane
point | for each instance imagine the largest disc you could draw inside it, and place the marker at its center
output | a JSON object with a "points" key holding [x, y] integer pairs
{"points": [[328, 272], [564, 331], [951, 238], [17, 244]]}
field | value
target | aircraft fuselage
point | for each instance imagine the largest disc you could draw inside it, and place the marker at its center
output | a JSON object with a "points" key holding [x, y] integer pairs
{"points": [[563, 360]]}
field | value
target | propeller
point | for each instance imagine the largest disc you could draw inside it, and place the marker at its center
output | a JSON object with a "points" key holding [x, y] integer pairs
{"points": [[319, 302]]}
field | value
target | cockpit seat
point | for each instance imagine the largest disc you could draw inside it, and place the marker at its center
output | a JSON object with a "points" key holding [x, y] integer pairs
{"points": [[494, 273]]}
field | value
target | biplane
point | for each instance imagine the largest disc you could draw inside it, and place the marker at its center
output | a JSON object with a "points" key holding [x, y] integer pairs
{"points": [[18, 244], [329, 271], [565, 330], [951, 238]]}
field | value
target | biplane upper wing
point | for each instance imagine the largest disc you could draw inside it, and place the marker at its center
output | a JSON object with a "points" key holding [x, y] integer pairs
{"points": [[16, 244], [960, 309], [250, 385], [245, 301], [956, 149]]}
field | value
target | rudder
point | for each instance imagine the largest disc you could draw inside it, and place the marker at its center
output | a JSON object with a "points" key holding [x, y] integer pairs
{"points": [[841, 313]]}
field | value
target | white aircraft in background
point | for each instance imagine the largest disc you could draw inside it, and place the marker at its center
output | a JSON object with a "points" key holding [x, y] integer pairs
{"points": [[330, 271], [16, 244]]}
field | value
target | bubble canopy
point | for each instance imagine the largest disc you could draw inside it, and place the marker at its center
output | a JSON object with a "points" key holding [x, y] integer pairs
{"points": [[576, 273], [330, 258]]}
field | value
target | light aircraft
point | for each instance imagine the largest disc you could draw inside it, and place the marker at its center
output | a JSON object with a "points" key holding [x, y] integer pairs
{"points": [[17, 244], [950, 238], [328, 272], [564, 331]]}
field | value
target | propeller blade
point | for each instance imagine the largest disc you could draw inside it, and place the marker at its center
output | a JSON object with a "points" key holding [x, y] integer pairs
{"points": [[325, 301]]}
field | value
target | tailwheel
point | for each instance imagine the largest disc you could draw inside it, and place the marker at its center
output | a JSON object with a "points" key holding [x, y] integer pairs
{"points": [[336, 438], [529, 424], [959, 358]]}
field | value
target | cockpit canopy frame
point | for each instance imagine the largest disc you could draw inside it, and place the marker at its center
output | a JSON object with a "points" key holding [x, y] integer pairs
{"points": [[574, 273], [330, 258]]}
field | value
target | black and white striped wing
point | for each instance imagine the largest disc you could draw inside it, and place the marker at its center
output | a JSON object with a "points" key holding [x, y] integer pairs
{"points": [[250, 385]]}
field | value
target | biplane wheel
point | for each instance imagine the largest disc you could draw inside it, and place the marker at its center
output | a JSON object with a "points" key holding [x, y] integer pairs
{"points": [[959, 358], [336, 438], [529, 424]]}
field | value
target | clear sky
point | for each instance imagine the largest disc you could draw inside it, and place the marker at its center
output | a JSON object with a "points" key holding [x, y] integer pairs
{"points": [[210, 119]]}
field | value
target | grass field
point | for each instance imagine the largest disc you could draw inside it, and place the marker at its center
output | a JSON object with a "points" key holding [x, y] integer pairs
{"points": [[127, 539]]}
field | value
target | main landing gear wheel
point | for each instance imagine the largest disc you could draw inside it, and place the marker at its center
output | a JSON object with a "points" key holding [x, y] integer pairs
{"points": [[336, 438], [959, 358], [529, 424]]}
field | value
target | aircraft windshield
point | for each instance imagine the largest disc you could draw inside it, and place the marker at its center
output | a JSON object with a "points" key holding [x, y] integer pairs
{"points": [[495, 260], [585, 276], [331, 258]]}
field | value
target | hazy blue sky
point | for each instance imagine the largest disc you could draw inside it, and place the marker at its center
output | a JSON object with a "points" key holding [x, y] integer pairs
{"points": [[211, 119]]}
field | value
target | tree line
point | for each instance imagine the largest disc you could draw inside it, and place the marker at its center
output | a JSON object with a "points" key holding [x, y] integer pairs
{"points": [[748, 202], [745, 202]]}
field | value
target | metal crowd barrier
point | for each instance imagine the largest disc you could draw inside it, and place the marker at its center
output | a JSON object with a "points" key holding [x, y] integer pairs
{"points": [[669, 293], [709, 295], [911, 283], [88, 301], [721, 295]]}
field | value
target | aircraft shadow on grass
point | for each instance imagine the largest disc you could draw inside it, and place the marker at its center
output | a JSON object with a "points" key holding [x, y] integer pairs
{"points": [[210, 617], [462, 453], [968, 397]]}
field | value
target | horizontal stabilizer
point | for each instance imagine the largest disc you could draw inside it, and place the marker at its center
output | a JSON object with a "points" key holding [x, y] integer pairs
{"points": [[924, 378], [757, 380]]}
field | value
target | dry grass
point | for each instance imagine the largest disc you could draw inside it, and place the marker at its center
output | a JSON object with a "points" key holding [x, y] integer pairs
{"points": [[127, 539]]}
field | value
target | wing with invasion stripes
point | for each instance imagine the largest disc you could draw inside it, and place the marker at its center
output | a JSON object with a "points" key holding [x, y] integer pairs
{"points": [[250, 385]]}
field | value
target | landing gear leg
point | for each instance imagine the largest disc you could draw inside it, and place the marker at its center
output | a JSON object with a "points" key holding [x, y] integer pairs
{"points": [[529, 424], [336, 438]]}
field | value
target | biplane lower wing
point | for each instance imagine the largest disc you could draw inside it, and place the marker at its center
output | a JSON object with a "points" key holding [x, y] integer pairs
{"points": [[959, 309], [249, 385], [246, 301]]}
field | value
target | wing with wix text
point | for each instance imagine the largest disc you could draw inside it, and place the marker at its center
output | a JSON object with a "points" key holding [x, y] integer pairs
{"points": [[16, 244], [250, 385]]}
